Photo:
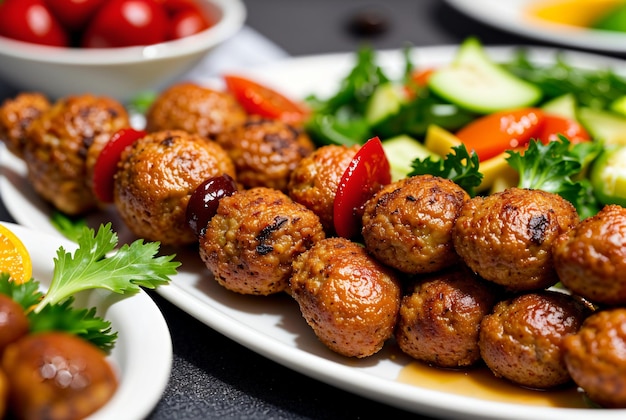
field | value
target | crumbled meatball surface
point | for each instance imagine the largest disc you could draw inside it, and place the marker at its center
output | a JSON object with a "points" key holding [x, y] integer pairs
{"points": [[315, 179], [16, 115], [250, 244], [265, 151], [63, 145], [408, 223], [194, 108], [440, 317], [522, 339], [590, 259], [155, 178], [349, 299], [596, 357], [507, 237]]}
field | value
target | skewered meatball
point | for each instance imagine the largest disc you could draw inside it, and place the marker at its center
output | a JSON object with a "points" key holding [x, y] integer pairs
{"points": [[522, 339], [62, 147], [251, 242], [507, 237], [408, 223], [596, 357], [315, 179], [440, 317], [197, 109], [265, 151], [349, 299], [591, 258], [16, 115], [156, 177]]}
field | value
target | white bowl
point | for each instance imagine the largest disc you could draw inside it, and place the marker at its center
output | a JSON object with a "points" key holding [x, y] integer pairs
{"points": [[120, 73]]}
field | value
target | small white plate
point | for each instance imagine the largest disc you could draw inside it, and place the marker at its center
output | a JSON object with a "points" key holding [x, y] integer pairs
{"points": [[273, 326], [510, 16], [142, 356]]}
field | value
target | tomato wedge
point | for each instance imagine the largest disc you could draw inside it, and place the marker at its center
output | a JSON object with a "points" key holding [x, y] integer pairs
{"points": [[556, 124], [264, 101], [106, 165], [492, 134], [368, 171]]}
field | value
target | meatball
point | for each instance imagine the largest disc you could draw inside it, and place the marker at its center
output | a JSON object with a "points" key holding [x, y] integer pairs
{"points": [[57, 375], [507, 237], [63, 145], [440, 317], [197, 109], [350, 300], [590, 259], [408, 223], [521, 340], [252, 240], [16, 115], [596, 357], [155, 178], [265, 151], [315, 179]]}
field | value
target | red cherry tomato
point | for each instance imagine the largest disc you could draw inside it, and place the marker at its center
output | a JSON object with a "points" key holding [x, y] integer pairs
{"points": [[492, 134], [31, 21], [555, 125], [74, 14], [106, 165], [187, 22], [174, 6], [264, 101], [124, 23], [368, 171]]}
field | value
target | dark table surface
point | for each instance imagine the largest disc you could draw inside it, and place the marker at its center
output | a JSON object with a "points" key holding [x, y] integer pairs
{"points": [[215, 377]]}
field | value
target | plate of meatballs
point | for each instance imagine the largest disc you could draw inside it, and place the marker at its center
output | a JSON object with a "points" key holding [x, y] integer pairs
{"points": [[446, 306]]}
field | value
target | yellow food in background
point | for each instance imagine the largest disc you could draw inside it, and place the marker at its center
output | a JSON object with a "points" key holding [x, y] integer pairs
{"points": [[14, 257], [571, 12]]}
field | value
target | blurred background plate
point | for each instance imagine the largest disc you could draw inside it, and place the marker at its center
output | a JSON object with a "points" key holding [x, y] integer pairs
{"points": [[513, 16]]}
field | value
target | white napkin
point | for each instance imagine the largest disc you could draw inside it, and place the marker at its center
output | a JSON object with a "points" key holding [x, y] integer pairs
{"points": [[247, 48]]}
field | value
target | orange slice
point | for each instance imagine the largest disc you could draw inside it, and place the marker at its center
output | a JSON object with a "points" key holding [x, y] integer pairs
{"points": [[14, 257]]}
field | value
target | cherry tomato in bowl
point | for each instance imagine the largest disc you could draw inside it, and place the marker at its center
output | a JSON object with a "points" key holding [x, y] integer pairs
{"points": [[31, 21], [74, 14]]}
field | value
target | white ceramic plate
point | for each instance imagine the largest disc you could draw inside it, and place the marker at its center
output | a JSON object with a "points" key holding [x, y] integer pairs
{"points": [[142, 355], [509, 15], [273, 326]]}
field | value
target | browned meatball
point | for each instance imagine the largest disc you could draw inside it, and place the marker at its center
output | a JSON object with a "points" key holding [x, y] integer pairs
{"points": [[16, 115], [349, 299], [590, 259], [57, 375], [507, 237], [62, 147], [251, 242], [522, 339], [596, 358], [315, 179], [440, 317], [197, 109], [408, 223], [156, 177], [265, 151]]}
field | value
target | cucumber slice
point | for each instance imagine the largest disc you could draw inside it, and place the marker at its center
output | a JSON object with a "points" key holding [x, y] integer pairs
{"points": [[474, 82], [386, 100], [604, 126], [563, 106], [608, 176], [401, 151]]}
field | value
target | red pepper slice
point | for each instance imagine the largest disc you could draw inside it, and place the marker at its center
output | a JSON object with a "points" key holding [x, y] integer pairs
{"points": [[262, 100], [368, 171], [556, 124], [106, 164], [492, 134]]}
